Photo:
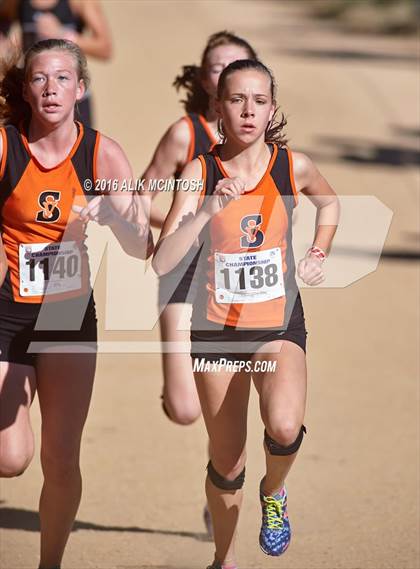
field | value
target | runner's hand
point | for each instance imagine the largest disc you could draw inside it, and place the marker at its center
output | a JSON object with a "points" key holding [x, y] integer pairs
{"points": [[101, 211], [226, 190], [98, 209], [310, 270]]}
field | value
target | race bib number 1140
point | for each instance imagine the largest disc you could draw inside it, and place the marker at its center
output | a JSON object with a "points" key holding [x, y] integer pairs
{"points": [[49, 268]]}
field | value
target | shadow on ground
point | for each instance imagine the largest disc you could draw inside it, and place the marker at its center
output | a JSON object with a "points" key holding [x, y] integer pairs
{"points": [[354, 55], [365, 152], [28, 520], [386, 255]]}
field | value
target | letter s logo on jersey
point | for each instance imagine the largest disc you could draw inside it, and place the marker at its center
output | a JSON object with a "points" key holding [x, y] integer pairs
{"points": [[50, 211], [253, 236]]}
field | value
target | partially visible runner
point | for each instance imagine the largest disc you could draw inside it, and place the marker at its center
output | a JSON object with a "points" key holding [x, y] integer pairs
{"points": [[248, 311], [45, 293], [84, 23]]}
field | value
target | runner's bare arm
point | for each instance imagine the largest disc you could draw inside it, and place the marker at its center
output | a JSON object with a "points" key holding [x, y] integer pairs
{"points": [[310, 182], [170, 156], [129, 222], [185, 221], [98, 41], [182, 226]]}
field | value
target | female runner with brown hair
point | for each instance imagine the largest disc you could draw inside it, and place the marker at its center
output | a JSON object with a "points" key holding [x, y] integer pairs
{"points": [[248, 312]]}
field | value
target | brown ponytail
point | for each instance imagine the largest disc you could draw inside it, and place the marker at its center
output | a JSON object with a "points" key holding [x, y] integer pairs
{"points": [[13, 108]]}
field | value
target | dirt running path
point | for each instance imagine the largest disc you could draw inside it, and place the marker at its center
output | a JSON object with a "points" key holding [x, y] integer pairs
{"points": [[351, 102]]}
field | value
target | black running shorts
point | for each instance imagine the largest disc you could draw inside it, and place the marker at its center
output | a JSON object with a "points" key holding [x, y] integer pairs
{"points": [[18, 322]]}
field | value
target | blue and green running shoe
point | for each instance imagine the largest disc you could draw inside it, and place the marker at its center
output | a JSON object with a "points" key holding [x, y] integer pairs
{"points": [[275, 531]]}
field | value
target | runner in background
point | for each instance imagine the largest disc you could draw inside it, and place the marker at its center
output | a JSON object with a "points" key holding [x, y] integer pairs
{"points": [[79, 21]]}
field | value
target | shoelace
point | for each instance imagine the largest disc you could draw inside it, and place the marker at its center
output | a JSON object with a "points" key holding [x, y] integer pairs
{"points": [[273, 512]]}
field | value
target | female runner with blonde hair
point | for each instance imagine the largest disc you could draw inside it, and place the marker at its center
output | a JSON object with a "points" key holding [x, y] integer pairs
{"points": [[46, 158]]}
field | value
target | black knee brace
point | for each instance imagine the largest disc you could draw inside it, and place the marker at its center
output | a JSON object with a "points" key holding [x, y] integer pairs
{"points": [[222, 483], [277, 449]]}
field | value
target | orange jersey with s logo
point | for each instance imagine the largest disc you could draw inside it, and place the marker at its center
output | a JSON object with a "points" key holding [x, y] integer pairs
{"points": [[42, 236], [247, 264]]}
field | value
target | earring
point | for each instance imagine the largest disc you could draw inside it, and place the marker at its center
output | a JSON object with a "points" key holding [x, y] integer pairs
{"points": [[220, 129]]}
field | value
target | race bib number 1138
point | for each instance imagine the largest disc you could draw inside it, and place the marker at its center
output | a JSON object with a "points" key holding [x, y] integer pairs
{"points": [[248, 277]]}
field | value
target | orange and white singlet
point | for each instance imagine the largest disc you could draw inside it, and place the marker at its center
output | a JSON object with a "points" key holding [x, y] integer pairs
{"points": [[42, 236], [247, 276]]}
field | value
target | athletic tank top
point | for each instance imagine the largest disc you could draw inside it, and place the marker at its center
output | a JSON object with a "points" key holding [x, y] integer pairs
{"points": [[42, 236], [247, 268], [27, 16], [201, 137]]}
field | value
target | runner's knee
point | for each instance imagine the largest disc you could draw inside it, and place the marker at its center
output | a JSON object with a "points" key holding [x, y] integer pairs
{"points": [[61, 465], [285, 441], [13, 462], [230, 480], [181, 412]]}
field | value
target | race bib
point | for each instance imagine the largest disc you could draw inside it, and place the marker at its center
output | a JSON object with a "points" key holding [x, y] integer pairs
{"points": [[49, 268], [246, 278]]}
